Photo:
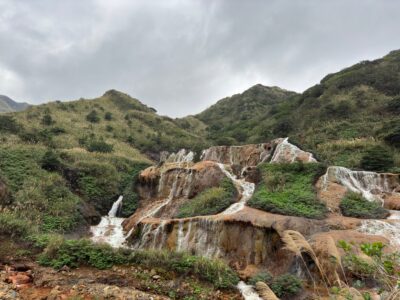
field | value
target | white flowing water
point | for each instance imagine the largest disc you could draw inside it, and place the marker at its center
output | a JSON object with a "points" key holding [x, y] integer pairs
{"points": [[110, 230], [246, 190], [368, 184], [247, 291], [389, 230], [181, 156], [287, 152]]}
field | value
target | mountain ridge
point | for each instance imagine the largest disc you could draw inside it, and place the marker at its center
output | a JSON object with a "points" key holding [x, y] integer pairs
{"points": [[9, 105]]}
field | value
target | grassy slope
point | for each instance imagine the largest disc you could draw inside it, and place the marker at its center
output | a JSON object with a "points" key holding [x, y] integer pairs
{"points": [[63, 199], [339, 119]]}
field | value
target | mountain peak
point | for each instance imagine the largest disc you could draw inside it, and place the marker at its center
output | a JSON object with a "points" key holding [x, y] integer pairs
{"points": [[9, 105]]}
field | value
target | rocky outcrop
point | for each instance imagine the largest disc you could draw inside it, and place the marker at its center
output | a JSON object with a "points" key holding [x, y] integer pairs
{"points": [[246, 238], [276, 151], [380, 187], [163, 189], [286, 152], [243, 156]]}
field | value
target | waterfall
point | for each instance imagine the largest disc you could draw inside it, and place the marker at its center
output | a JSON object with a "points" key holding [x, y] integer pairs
{"points": [[247, 291], [110, 230], [361, 182], [389, 230], [115, 207], [245, 188], [181, 157]]}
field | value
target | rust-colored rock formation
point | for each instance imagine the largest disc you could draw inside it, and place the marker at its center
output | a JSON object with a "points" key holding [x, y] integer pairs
{"points": [[163, 189]]}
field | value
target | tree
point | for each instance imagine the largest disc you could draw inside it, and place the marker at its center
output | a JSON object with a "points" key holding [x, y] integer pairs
{"points": [[108, 116], [50, 161], [93, 117], [377, 159], [47, 120]]}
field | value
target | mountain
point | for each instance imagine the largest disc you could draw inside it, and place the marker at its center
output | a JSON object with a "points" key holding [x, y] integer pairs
{"points": [[9, 105], [232, 120], [340, 118]]}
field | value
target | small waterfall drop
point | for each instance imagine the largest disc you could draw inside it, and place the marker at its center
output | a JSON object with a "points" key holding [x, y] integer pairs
{"points": [[245, 188], [362, 182], [182, 156], [115, 207], [389, 230], [110, 230], [247, 291]]}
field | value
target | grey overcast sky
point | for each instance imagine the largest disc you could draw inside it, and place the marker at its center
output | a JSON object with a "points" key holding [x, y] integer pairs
{"points": [[180, 56]]}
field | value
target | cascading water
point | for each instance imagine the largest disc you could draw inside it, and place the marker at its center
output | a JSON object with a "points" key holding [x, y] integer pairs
{"points": [[245, 188], [181, 156], [389, 230], [247, 291], [368, 184], [110, 230]]}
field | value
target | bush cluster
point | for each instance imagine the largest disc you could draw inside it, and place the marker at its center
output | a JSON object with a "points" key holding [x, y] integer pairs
{"points": [[285, 285], [288, 189], [354, 205], [209, 202], [73, 253]]}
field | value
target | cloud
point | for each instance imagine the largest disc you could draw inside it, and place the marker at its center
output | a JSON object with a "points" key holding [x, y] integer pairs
{"points": [[181, 56]]}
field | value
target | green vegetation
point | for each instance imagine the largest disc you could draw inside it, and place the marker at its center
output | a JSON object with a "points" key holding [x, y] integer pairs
{"points": [[354, 205], [377, 159], [286, 285], [262, 276], [232, 119], [73, 253], [209, 202], [373, 267], [288, 189], [341, 118], [48, 189]]}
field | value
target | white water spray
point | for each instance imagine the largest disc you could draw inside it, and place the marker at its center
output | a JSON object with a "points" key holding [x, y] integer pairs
{"points": [[110, 230], [369, 184], [247, 291], [245, 188]]}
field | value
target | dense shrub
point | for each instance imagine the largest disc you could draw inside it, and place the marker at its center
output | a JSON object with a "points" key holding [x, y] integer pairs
{"points": [[93, 117], [354, 205], [288, 189], [377, 159], [47, 120], [8, 124], [11, 225], [99, 146], [286, 285], [209, 202], [73, 253], [262, 276], [108, 116], [393, 137], [51, 161]]}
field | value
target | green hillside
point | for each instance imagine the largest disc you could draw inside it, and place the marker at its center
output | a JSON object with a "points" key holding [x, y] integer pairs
{"points": [[344, 116], [234, 120], [64, 163]]}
